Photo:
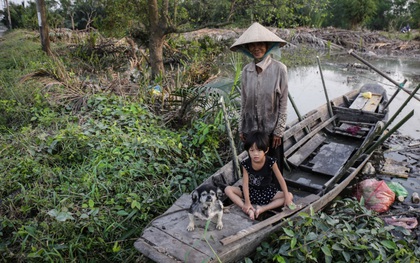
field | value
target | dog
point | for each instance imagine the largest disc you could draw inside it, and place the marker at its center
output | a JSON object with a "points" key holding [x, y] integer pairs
{"points": [[206, 204]]}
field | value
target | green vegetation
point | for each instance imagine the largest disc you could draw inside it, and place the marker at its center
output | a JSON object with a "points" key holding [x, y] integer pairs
{"points": [[84, 168], [124, 17], [345, 232]]}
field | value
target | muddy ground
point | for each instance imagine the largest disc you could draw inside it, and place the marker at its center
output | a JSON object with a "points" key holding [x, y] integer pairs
{"points": [[398, 160]]}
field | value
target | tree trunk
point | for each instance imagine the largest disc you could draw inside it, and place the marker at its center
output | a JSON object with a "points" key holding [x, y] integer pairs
{"points": [[43, 26], [8, 15], [157, 37]]}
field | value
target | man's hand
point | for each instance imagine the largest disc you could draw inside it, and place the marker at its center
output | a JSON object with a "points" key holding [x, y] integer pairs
{"points": [[276, 141]]}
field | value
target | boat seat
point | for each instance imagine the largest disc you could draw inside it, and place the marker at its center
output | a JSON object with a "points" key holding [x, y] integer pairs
{"points": [[300, 155], [302, 141], [331, 158], [366, 104]]}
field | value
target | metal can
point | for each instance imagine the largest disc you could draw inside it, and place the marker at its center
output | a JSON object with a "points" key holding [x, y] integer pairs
{"points": [[415, 198]]}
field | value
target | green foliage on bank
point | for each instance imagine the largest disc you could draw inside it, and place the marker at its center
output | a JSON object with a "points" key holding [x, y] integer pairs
{"points": [[80, 185], [346, 232]]}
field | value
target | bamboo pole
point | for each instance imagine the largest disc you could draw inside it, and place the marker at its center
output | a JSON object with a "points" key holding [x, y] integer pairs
{"points": [[325, 89], [401, 108], [394, 95], [384, 137], [351, 52], [300, 118], [235, 160]]}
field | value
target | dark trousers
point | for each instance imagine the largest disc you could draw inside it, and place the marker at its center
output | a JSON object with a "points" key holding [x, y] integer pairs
{"points": [[277, 153]]}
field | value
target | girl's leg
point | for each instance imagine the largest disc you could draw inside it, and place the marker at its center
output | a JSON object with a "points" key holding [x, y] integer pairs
{"points": [[277, 201], [235, 195]]}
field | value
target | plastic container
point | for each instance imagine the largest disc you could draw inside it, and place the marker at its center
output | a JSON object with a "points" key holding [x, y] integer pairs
{"points": [[400, 192]]}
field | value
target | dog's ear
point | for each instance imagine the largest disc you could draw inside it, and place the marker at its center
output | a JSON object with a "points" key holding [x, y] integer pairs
{"points": [[194, 196], [219, 193]]}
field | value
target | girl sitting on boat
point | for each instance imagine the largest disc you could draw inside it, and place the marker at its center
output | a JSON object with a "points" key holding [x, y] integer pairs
{"points": [[262, 180]]}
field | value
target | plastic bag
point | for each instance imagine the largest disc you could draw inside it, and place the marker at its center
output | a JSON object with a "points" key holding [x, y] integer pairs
{"points": [[400, 192], [377, 195]]}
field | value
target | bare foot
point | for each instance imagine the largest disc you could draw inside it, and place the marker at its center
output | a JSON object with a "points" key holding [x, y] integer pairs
{"points": [[251, 214], [257, 211]]}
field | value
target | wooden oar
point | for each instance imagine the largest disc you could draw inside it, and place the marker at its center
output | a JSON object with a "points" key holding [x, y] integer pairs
{"points": [[351, 52]]}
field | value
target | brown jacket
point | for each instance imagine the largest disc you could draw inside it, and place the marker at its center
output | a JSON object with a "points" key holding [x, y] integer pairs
{"points": [[264, 97]]}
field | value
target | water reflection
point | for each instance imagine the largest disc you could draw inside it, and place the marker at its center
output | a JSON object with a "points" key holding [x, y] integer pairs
{"points": [[306, 88]]}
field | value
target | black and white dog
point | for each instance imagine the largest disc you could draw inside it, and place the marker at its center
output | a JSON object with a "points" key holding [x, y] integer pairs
{"points": [[206, 204]]}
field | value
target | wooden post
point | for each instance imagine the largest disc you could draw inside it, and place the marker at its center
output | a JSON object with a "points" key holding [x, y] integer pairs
{"points": [[43, 26]]}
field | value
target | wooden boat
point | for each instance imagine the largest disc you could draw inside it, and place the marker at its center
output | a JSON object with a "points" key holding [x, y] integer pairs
{"points": [[323, 153]]}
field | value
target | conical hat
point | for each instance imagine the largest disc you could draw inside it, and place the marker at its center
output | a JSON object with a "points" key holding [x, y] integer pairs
{"points": [[257, 33]]}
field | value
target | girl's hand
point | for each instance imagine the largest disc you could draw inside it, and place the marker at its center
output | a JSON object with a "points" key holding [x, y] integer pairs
{"points": [[247, 207], [288, 200]]}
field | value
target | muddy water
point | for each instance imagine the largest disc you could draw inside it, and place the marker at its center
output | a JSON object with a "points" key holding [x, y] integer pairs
{"points": [[306, 88]]}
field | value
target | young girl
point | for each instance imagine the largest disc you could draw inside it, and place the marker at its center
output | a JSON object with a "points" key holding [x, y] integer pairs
{"points": [[258, 185]]}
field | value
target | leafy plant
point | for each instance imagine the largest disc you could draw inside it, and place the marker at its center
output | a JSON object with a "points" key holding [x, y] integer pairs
{"points": [[346, 232]]}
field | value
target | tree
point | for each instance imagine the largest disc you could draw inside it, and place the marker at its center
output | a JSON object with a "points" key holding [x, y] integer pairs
{"points": [[359, 11], [415, 11], [159, 28]]}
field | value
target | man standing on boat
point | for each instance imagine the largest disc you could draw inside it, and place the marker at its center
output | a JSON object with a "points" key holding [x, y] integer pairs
{"points": [[264, 88]]}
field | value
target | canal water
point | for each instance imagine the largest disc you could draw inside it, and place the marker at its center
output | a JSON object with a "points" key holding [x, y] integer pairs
{"points": [[306, 89], [344, 73]]}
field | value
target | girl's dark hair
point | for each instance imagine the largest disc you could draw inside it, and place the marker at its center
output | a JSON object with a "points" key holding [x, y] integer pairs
{"points": [[260, 139]]}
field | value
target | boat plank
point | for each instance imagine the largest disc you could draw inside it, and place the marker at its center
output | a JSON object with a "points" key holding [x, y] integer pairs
{"points": [[171, 247], [331, 157], [292, 131], [359, 102], [300, 204], [373, 103], [152, 252], [300, 155], [308, 136]]}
